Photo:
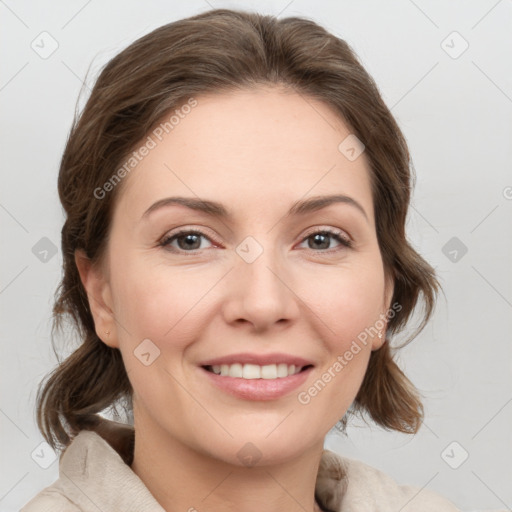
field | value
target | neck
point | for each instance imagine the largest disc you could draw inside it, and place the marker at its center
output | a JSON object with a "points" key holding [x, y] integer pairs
{"points": [[184, 479]]}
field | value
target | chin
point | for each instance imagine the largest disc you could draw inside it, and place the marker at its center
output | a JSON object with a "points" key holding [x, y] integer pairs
{"points": [[267, 446]]}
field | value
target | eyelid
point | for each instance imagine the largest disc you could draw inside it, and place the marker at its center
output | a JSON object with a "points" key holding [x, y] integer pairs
{"points": [[204, 232], [193, 228], [337, 231]]}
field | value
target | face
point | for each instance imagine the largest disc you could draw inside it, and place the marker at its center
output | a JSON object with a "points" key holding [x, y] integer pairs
{"points": [[182, 286]]}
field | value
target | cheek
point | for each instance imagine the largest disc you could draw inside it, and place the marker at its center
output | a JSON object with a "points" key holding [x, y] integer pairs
{"points": [[160, 305], [348, 301], [157, 302], [347, 308]]}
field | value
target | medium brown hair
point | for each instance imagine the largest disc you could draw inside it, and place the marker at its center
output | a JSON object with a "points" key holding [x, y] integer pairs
{"points": [[220, 51]]}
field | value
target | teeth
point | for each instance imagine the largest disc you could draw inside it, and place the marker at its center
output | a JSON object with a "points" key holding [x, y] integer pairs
{"points": [[254, 371]]}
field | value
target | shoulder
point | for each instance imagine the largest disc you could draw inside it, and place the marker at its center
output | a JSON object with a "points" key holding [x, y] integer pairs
{"points": [[55, 497], [83, 469], [350, 484], [94, 476]]}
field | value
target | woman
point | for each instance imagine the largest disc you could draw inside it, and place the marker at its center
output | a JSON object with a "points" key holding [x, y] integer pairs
{"points": [[235, 261]]}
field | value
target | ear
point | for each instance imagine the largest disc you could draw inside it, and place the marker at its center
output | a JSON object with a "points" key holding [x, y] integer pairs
{"points": [[97, 287], [389, 288]]}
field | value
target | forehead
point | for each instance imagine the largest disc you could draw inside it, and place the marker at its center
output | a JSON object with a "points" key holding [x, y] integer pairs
{"points": [[257, 147]]}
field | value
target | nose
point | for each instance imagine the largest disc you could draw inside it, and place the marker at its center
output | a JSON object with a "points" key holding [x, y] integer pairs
{"points": [[260, 293]]}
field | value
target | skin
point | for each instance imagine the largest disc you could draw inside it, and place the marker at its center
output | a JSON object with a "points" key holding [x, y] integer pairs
{"points": [[256, 151]]}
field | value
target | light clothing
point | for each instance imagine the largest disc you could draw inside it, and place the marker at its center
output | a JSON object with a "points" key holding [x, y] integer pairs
{"points": [[94, 477]]}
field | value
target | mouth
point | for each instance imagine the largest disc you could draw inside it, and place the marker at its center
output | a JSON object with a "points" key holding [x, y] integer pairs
{"points": [[254, 371], [257, 383]]}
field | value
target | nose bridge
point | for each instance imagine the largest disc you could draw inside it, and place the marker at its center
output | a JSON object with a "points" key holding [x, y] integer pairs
{"points": [[260, 274], [259, 293]]}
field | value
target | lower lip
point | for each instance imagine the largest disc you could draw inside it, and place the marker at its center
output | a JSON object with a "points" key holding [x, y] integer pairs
{"points": [[258, 389]]}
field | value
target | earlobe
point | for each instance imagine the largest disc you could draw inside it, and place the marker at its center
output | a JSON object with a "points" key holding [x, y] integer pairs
{"points": [[382, 323], [97, 288], [380, 338]]}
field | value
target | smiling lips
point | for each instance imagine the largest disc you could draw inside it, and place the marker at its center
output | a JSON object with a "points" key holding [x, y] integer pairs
{"points": [[254, 371], [257, 376], [256, 366]]}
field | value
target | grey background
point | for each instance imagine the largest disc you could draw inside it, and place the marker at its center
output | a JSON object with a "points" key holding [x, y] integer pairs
{"points": [[455, 108]]}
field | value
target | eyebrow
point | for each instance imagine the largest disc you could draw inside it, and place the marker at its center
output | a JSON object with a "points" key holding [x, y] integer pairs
{"points": [[215, 209]]}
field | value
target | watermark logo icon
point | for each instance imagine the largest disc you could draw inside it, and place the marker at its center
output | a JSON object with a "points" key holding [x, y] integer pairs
{"points": [[45, 45], [43, 455], [249, 249], [351, 147], [44, 250], [454, 455], [249, 455], [147, 352], [454, 45], [454, 249]]}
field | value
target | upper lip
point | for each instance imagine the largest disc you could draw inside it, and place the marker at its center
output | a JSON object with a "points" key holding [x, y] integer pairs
{"points": [[259, 359]]}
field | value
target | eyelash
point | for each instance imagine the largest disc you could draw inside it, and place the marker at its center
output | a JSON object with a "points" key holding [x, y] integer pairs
{"points": [[337, 235]]}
